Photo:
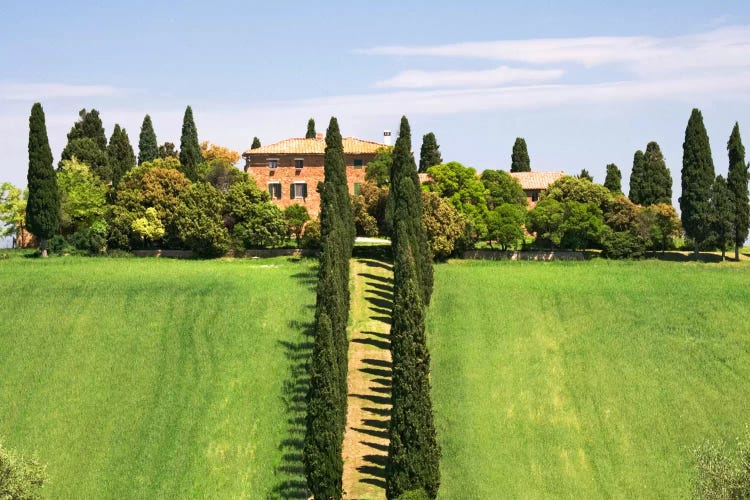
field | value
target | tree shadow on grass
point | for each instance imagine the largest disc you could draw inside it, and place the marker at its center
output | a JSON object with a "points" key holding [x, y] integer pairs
{"points": [[378, 279], [380, 344], [690, 257]]}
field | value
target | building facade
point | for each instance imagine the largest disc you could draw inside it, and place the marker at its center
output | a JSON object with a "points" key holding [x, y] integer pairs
{"points": [[291, 169], [533, 183]]}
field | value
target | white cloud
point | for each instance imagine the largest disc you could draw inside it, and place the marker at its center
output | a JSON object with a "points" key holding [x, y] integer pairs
{"points": [[483, 78], [46, 91]]}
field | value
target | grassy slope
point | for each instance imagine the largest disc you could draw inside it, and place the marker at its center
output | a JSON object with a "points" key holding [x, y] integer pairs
{"points": [[585, 379], [150, 378]]}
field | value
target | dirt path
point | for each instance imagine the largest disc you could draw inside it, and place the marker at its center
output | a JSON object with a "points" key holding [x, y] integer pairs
{"points": [[369, 405]]}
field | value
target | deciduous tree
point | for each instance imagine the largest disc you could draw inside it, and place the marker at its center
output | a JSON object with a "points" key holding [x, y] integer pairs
{"points": [[13, 212], [296, 217], [502, 188], [199, 223], [20, 478], [83, 197], [443, 224], [211, 152]]}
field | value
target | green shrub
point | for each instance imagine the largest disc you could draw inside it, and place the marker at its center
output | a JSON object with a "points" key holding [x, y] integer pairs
{"points": [[418, 494]]}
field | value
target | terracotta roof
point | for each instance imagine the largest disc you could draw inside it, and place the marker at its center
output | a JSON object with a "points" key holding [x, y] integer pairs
{"points": [[537, 180], [314, 147]]}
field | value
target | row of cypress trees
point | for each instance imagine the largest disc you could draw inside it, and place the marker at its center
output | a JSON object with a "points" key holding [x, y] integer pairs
{"points": [[413, 452], [326, 403]]}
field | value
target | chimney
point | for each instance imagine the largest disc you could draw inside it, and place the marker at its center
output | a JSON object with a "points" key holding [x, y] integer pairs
{"points": [[387, 137], [319, 136]]}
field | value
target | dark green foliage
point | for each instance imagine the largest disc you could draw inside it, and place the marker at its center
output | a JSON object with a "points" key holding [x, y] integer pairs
{"points": [[198, 221], [413, 453], [697, 179], [253, 221], [520, 161], [629, 232], [569, 224], [222, 175], [296, 217], [20, 478], [43, 206], [190, 148], [148, 147], [502, 188], [378, 171], [585, 175], [722, 214], [89, 125], [613, 180], [168, 150], [86, 150], [311, 134], [636, 178], [505, 225], [573, 189], [429, 154], [256, 143], [657, 181], [120, 153], [737, 180]]}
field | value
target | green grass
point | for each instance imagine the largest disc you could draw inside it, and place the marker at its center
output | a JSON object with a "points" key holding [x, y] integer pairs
{"points": [[154, 378], [586, 380]]}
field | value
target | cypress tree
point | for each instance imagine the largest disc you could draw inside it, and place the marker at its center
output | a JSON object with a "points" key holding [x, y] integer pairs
{"points": [[89, 125], [311, 134], [429, 153], [737, 180], [43, 202], [256, 143], [613, 180], [520, 161], [697, 179], [190, 148], [120, 152], [636, 178], [148, 147], [723, 214], [88, 144], [586, 175], [413, 452], [657, 181]]}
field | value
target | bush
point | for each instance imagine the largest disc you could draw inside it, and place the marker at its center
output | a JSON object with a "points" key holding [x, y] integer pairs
{"points": [[89, 241], [623, 245], [311, 235], [418, 494], [59, 245], [20, 478], [723, 472]]}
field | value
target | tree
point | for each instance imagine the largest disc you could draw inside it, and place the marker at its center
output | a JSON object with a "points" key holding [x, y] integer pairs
{"points": [[664, 225], [656, 185], [583, 225], [636, 178], [43, 204], [545, 221], [737, 180], [585, 175], [378, 170], [89, 125], [505, 225], [83, 197], [296, 217], [630, 229], [463, 188], [443, 224], [120, 154], [429, 154], [613, 180], [20, 478], [148, 147], [13, 212], [697, 179], [311, 134], [520, 161], [366, 224], [86, 150], [502, 188], [222, 175], [190, 149], [570, 188], [253, 221], [148, 228], [211, 152], [199, 223], [256, 143], [167, 150], [722, 214]]}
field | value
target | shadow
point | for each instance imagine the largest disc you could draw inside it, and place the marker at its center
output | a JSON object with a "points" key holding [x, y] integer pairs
{"points": [[378, 372], [385, 382], [374, 285], [378, 362], [375, 469], [383, 319], [382, 294], [376, 424], [375, 446], [690, 257], [375, 252], [376, 278], [378, 264], [372, 432], [383, 412], [380, 344], [383, 336], [378, 400], [382, 390], [384, 305]]}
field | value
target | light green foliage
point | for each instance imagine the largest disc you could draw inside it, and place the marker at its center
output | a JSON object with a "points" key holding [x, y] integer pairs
{"points": [[366, 224], [463, 188], [12, 209], [378, 171], [502, 188], [664, 224], [590, 380], [199, 223], [442, 223], [570, 224], [296, 217], [20, 479], [569, 188], [83, 196], [148, 228], [505, 225], [156, 378], [86, 151], [723, 470]]}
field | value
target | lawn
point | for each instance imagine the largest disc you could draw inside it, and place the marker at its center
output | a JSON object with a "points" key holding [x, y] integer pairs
{"points": [[155, 378], [586, 380]]}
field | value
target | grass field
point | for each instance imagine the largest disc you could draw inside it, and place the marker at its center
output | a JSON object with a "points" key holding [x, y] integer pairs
{"points": [[146, 378], [586, 380]]}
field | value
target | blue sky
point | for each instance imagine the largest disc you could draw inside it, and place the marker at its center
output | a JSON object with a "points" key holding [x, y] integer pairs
{"points": [[586, 83]]}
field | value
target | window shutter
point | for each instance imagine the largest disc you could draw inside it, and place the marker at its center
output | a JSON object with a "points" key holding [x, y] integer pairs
{"points": [[291, 191], [304, 190]]}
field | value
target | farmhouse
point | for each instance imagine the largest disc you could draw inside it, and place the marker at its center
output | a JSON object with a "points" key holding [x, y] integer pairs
{"points": [[533, 183], [291, 169]]}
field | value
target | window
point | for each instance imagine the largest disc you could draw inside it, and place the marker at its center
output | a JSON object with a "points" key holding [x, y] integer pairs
{"points": [[357, 187], [273, 162], [274, 188], [535, 195], [299, 163], [358, 163], [298, 190]]}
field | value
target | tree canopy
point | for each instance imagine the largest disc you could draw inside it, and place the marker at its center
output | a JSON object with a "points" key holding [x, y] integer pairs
{"points": [[519, 159], [190, 149], [613, 180], [148, 147], [429, 153]]}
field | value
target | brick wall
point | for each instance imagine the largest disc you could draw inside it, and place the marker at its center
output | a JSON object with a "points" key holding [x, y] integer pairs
{"points": [[311, 173]]}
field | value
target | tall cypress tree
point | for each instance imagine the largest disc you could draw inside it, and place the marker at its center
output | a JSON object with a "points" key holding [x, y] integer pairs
{"points": [[657, 181], [88, 144], [120, 152], [148, 147], [520, 161], [89, 125], [737, 180], [190, 148], [311, 134], [722, 214], [256, 143], [697, 179], [413, 452], [613, 180], [429, 153], [43, 202], [636, 178]]}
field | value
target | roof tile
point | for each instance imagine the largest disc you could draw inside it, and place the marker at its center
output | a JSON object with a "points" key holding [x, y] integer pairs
{"points": [[314, 146]]}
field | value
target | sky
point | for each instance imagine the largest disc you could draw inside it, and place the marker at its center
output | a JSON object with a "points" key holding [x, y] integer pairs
{"points": [[585, 83]]}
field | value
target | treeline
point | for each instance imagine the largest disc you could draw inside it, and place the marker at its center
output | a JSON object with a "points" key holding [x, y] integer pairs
{"points": [[103, 197]]}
